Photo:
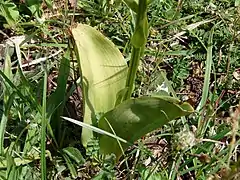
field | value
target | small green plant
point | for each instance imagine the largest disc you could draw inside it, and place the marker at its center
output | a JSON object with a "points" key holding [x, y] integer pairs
{"points": [[108, 85], [194, 44]]}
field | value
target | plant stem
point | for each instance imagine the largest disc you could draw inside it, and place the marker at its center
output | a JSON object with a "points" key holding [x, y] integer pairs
{"points": [[133, 67], [139, 39]]}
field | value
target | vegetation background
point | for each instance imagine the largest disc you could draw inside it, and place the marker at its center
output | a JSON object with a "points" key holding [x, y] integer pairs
{"points": [[192, 53]]}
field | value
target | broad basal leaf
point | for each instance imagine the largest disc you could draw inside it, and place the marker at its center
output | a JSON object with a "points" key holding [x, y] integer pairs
{"points": [[136, 117], [103, 70]]}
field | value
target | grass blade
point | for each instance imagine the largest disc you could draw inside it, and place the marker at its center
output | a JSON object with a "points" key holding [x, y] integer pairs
{"points": [[4, 120], [74, 154], [43, 129], [70, 165], [57, 100], [2, 132], [207, 72], [95, 129], [7, 98]]}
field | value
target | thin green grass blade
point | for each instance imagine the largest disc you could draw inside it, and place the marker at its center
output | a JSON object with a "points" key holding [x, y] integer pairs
{"points": [[26, 99], [32, 138], [119, 144], [2, 132], [207, 145], [70, 165], [4, 120], [207, 72], [29, 89], [7, 64], [74, 154], [32, 132], [3, 175], [7, 99], [56, 101], [12, 172], [43, 129], [9, 82], [95, 129], [46, 45]]}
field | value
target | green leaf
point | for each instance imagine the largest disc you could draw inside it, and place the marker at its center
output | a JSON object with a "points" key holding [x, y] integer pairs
{"points": [[207, 72], [49, 4], [56, 101], [35, 7], [132, 4], [140, 34], [139, 37], [7, 64], [12, 169], [4, 120], [9, 11], [103, 70], [70, 165], [74, 154], [3, 174], [136, 117], [20, 160], [146, 173], [8, 99], [237, 3]]}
